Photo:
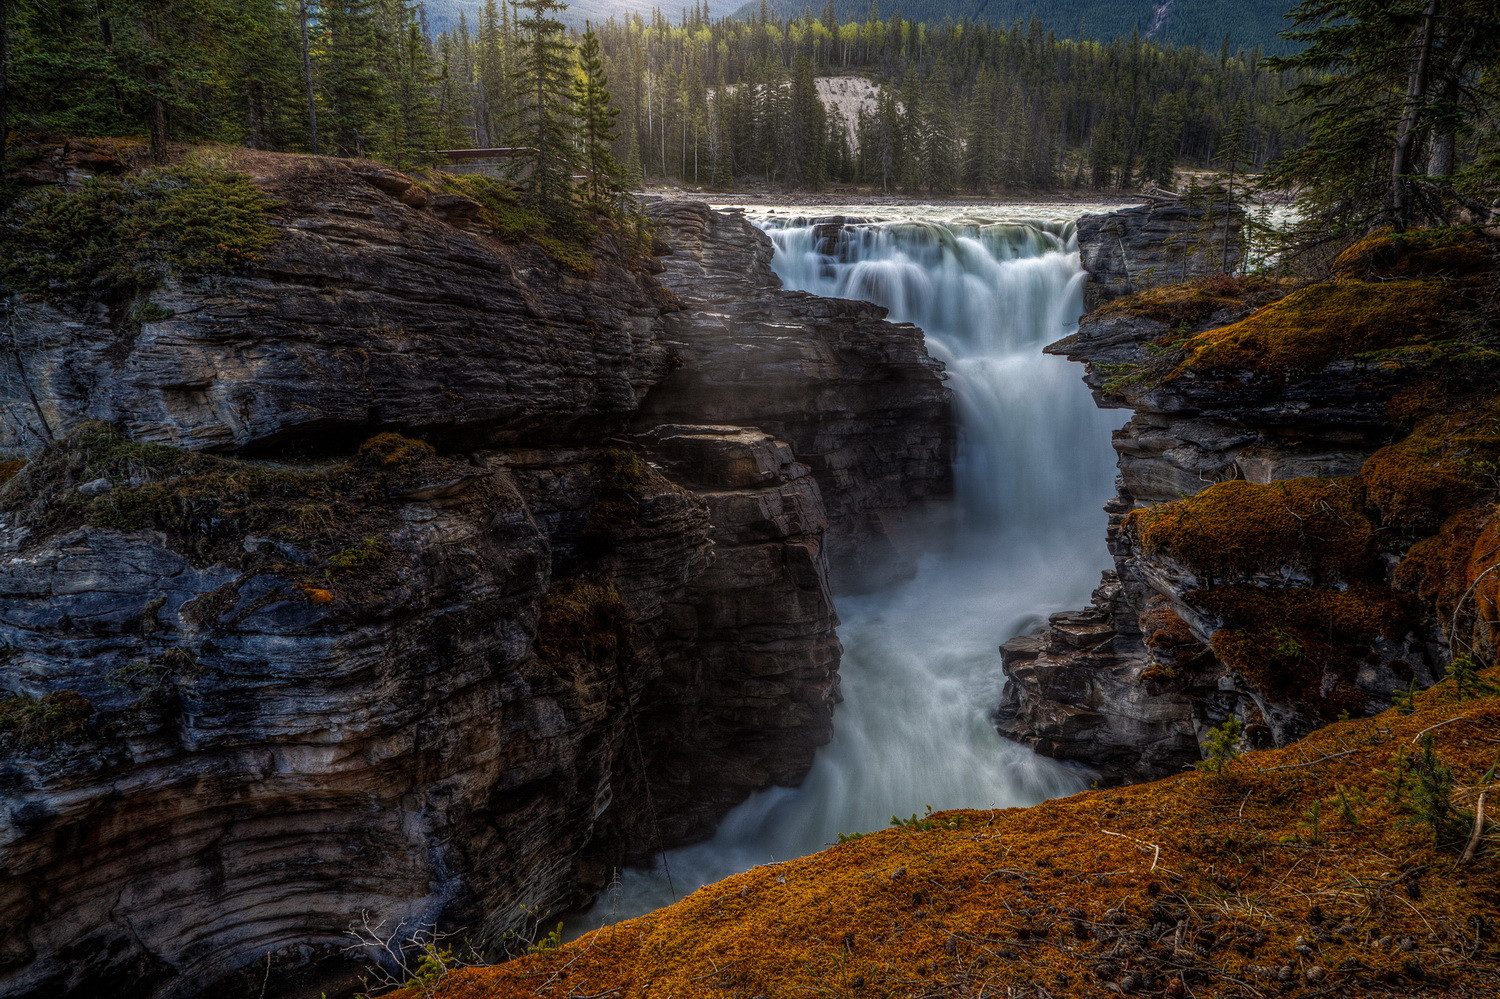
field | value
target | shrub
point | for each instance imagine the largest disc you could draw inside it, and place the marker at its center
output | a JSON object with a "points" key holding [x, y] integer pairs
{"points": [[37, 723], [118, 237]]}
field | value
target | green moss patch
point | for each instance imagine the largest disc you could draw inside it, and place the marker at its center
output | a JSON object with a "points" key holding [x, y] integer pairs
{"points": [[119, 237], [338, 514], [28, 723], [1237, 529], [567, 237]]}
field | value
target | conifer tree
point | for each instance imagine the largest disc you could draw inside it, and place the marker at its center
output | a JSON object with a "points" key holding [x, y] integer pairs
{"points": [[596, 124], [413, 123], [1385, 78], [544, 121], [354, 88], [806, 130]]}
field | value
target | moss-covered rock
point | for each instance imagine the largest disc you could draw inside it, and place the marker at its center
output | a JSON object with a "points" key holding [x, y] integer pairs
{"points": [[1445, 463], [1313, 528], [331, 516], [1194, 301], [1307, 645], [1326, 322], [1457, 252], [1413, 294], [32, 723]]}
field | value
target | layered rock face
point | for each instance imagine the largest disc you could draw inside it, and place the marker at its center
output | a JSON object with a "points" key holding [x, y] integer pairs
{"points": [[1164, 240], [855, 396], [1315, 567], [247, 702]]}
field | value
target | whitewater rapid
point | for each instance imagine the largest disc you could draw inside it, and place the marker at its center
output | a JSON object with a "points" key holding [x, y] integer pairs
{"points": [[921, 671]]}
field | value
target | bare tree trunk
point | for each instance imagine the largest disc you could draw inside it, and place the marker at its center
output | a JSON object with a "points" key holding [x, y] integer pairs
{"points": [[4, 81], [1440, 157], [307, 81], [1398, 195]]}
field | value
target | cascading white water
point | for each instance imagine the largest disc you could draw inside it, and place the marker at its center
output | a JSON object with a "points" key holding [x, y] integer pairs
{"points": [[920, 668]]}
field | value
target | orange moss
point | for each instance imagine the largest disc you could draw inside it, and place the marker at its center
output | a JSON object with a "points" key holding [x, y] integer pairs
{"points": [[582, 620], [1446, 462], [1329, 321], [1163, 627], [1304, 645], [1235, 529], [390, 449], [1202, 885], [1456, 252], [9, 468], [317, 596], [1194, 301], [1455, 571]]}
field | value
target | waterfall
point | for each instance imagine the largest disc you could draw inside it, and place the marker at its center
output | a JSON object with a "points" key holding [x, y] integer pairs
{"points": [[920, 669]]}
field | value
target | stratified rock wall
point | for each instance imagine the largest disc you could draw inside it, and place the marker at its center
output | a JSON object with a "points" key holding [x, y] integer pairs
{"points": [[857, 397], [454, 681], [366, 314], [1164, 240], [1099, 694]]}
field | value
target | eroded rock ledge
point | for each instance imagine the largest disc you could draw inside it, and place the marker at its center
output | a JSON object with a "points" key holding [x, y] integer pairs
{"points": [[454, 674], [1303, 527]]}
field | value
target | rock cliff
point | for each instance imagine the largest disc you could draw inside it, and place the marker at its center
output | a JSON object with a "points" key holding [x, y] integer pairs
{"points": [[855, 396], [355, 583], [1305, 509], [1162, 241]]}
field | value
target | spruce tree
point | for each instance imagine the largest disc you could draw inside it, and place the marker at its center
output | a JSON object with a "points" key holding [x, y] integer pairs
{"points": [[596, 125], [354, 88], [806, 130], [1385, 78], [544, 119]]}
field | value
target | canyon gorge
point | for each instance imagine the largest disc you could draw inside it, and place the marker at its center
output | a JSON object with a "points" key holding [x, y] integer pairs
{"points": [[413, 575]]}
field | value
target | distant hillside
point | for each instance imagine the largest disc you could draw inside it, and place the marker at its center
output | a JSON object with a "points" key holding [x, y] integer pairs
{"points": [[1200, 22], [443, 14]]}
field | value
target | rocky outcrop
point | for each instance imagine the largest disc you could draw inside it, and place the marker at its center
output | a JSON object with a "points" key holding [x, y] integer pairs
{"points": [[1164, 240], [369, 314], [858, 398], [1283, 550], [247, 700]]}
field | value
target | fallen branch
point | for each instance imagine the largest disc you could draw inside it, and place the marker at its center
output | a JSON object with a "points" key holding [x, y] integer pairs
{"points": [[1156, 855], [1478, 833], [1418, 737], [1313, 763]]}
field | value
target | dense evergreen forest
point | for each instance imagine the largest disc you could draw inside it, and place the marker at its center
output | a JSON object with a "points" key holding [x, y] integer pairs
{"points": [[960, 106], [1381, 95], [1208, 23]]}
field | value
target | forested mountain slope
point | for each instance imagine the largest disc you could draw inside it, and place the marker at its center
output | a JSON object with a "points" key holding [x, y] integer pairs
{"points": [[444, 14], [1192, 22]]}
